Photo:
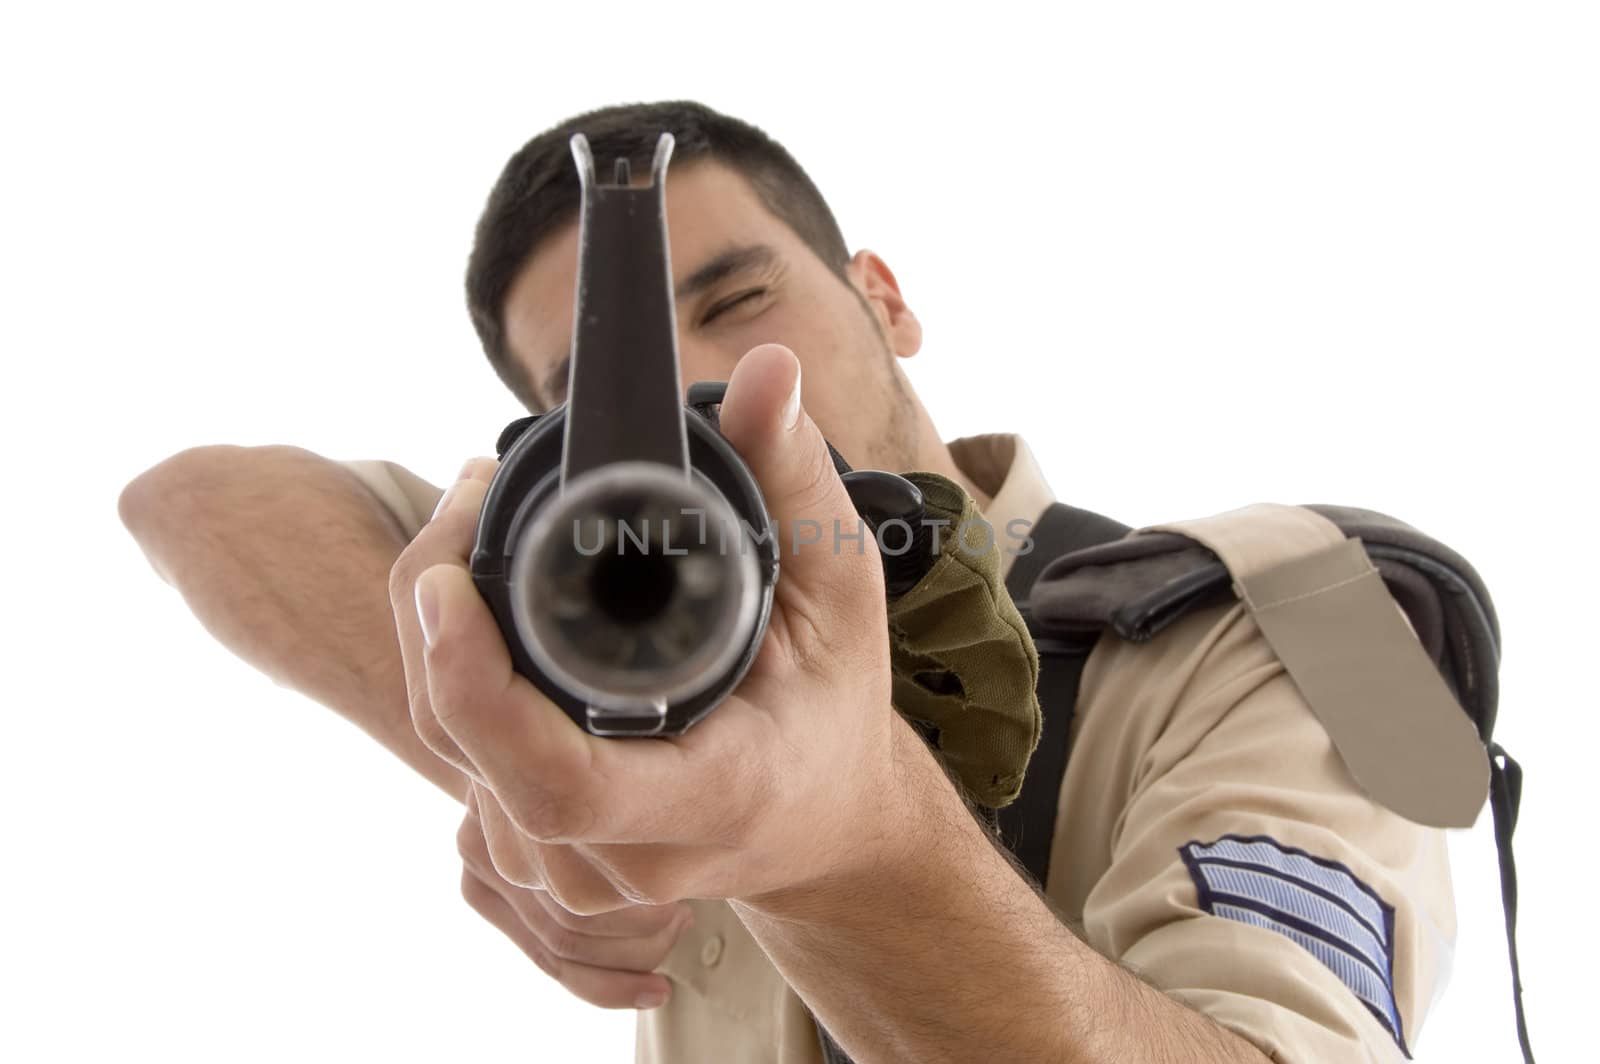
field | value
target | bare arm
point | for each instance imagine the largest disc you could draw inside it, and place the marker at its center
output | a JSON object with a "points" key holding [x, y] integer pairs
{"points": [[285, 557], [962, 959]]}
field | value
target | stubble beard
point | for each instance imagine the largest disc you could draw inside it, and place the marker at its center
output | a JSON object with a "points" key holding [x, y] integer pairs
{"points": [[897, 447]]}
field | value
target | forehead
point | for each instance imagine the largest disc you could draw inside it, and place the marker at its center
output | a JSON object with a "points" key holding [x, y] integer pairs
{"points": [[710, 207]]}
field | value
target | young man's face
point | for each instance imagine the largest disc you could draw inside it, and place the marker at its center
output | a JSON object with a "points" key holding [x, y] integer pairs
{"points": [[744, 278]]}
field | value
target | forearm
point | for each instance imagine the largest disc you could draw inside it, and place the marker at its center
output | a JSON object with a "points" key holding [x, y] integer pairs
{"points": [[284, 557], [936, 950]]}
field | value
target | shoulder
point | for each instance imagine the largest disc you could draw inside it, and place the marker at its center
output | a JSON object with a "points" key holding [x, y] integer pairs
{"points": [[1216, 843], [1145, 706], [1212, 832]]}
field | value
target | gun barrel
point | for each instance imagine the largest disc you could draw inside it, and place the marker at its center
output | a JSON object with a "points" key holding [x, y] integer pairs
{"points": [[635, 588]]}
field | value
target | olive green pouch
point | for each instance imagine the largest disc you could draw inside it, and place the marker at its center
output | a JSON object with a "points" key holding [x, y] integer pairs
{"points": [[964, 664]]}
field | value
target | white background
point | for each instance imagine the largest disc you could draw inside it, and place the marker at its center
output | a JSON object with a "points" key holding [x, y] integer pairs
{"points": [[1200, 255]]}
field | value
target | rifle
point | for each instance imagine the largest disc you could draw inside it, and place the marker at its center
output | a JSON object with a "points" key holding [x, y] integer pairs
{"points": [[623, 545]]}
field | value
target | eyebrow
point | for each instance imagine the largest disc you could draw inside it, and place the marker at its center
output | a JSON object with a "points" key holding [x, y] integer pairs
{"points": [[730, 262]]}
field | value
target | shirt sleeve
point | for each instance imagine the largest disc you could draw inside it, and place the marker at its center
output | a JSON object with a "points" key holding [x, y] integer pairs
{"points": [[409, 498], [1249, 877]]}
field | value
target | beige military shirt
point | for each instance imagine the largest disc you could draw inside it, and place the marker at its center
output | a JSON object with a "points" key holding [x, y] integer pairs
{"points": [[1208, 837]]}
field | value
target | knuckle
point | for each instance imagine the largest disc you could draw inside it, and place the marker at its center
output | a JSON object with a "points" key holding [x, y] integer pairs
{"points": [[561, 896], [434, 543], [460, 518], [434, 737], [565, 918], [652, 886], [404, 572], [428, 713], [480, 468], [548, 963], [474, 890], [419, 702], [561, 942], [469, 838], [521, 875], [547, 818], [579, 899], [538, 816], [514, 866]]}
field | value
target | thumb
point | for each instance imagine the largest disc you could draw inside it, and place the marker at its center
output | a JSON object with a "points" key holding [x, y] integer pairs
{"points": [[820, 537]]}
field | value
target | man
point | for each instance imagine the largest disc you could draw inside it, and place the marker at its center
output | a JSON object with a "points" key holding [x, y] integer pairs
{"points": [[829, 866]]}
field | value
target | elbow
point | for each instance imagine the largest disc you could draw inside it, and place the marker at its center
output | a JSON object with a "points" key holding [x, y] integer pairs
{"points": [[139, 498], [155, 494]]}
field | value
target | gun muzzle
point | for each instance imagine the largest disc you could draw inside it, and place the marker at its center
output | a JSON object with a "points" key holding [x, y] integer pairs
{"points": [[634, 589]]}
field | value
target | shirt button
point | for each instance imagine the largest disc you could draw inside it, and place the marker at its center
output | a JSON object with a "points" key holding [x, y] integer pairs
{"points": [[711, 950]]}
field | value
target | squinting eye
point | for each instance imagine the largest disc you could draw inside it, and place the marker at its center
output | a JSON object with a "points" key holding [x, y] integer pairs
{"points": [[730, 304]]}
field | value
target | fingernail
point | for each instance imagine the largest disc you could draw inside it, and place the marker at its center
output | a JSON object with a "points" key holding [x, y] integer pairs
{"points": [[791, 405], [428, 608], [651, 999]]}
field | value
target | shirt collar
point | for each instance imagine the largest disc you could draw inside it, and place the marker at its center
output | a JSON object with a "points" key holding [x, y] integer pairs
{"points": [[1003, 467]]}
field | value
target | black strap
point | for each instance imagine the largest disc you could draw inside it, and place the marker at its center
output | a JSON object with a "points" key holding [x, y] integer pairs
{"points": [[1505, 797], [1028, 824], [1060, 530]]}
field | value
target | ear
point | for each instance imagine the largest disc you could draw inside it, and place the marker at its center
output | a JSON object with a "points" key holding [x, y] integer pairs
{"points": [[876, 283]]}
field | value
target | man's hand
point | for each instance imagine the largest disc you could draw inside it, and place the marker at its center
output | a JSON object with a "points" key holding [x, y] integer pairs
{"points": [[777, 789], [447, 536], [608, 960]]}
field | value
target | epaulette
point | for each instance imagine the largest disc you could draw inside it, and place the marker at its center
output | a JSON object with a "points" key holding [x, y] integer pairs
{"points": [[1322, 582], [1389, 635]]}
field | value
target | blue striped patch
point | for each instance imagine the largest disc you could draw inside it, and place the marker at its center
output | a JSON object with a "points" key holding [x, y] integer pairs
{"points": [[1316, 903]]}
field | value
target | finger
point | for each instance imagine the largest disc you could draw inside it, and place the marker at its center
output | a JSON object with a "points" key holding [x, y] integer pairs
{"points": [[823, 550], [530, 755], [557, 783], [631, 921], [448, 535], [558, 870], [513, 857], [636, 953], [603, 987]]}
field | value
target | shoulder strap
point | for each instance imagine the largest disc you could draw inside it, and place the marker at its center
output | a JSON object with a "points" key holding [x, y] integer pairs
{"points": [[1141, 583], [1061, 529], [1028, 824], [1505, 796]]}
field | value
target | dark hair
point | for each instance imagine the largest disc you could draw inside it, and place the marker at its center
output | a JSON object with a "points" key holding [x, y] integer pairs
{"points": [[538, 192]]}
